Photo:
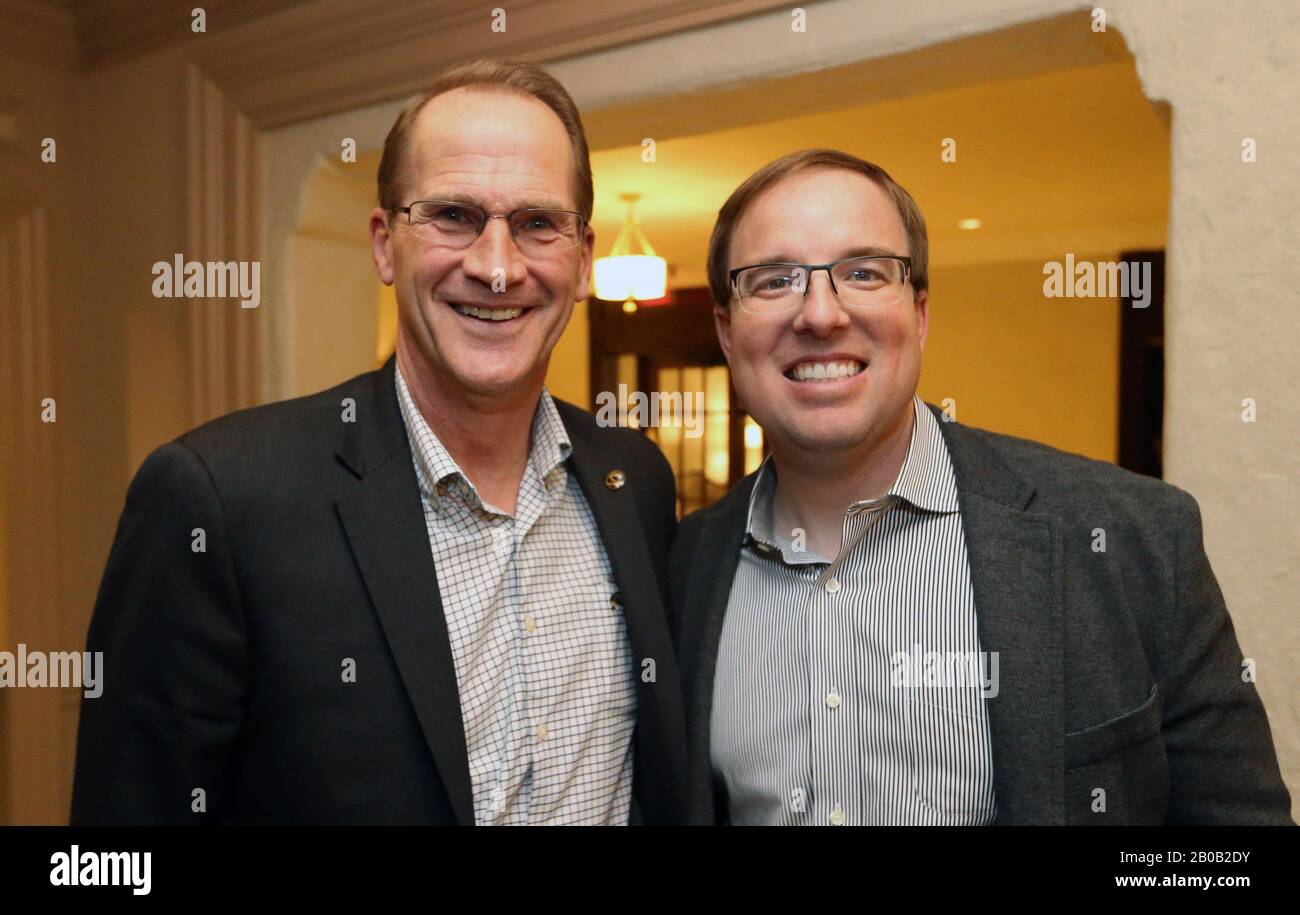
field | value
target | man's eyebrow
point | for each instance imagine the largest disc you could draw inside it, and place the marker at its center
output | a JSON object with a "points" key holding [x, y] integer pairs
{"points": [[782, 257], [545, 203], [868, 251]]}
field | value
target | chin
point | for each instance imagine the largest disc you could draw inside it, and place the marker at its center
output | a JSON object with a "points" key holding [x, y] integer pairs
{"points": [[827, 431], [825, 441], [498, 384], [491, 380]]}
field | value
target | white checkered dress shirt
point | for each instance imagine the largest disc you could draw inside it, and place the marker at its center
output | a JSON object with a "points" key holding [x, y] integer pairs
{"points": [[543, 662]]}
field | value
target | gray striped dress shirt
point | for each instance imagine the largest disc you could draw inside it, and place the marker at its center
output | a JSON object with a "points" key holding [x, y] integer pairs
{"points": [[851, 691], [543, 661]]}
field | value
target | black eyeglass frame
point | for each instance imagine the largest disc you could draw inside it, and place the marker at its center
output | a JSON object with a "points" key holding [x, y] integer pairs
{"points": [[813, 268], [582, 221]]}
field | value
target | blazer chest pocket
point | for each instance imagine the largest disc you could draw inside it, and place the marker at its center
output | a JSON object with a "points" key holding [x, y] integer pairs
{"points": [[1116, 773]]}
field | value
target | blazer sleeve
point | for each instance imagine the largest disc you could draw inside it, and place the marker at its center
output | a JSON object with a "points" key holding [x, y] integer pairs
{"points": [[1222, 765], [170, 625]]}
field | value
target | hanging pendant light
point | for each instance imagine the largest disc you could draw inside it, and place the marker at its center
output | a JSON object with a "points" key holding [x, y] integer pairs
{"points": [[632, 271]]}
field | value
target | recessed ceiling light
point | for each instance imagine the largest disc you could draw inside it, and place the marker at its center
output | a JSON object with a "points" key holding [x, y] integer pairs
{"points": [[971, 223]]}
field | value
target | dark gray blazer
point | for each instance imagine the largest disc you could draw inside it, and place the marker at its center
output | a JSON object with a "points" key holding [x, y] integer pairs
{"points": [[222, 668], [1118, 669]]}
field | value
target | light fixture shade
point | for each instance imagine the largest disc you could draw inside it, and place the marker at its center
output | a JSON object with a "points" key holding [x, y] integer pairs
{"points": [[631, 276]]}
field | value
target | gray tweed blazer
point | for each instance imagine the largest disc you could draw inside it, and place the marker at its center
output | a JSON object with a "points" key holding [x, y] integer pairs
{"points": [[1117, 669]]}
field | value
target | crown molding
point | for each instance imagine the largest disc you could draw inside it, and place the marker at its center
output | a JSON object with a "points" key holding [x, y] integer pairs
{"points": [[333, 55], [284, 61], [112, 31]]}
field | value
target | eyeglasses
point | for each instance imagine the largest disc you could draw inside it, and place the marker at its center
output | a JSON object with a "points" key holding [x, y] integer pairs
{"points": [[536, 230], [860, 282]]}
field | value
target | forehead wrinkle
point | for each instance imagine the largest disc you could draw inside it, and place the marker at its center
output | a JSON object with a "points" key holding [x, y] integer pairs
{"points": [[530, 184]]}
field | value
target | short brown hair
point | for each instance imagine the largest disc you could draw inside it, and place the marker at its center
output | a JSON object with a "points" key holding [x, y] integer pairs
{"points": [[770, 174], [524, 79]]}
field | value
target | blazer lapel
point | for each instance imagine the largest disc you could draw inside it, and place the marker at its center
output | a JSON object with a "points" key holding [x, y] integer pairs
{"points": [[384, 521], [661, 760], [707, 593], [1015, 563]]}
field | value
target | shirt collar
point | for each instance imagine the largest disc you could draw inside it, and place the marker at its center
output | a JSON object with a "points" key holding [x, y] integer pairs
{"points": [[925, 480], [436, 469]]}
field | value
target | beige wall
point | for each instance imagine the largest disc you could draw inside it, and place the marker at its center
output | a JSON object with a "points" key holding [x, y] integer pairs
{"points": [[135, 119], [335, 321], [115, 359], [1233, 333], [1022, 364]]}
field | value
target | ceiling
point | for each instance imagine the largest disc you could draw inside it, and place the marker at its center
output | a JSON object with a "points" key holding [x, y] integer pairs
{"points": [[1073, 160], [109, 31], [1070, 161]]}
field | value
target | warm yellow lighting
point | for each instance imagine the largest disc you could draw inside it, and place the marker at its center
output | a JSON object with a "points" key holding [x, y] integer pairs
{"points": [[717, 436], [629, 306], [717, 389], [632, 270], [753, 445], [387, 341], [971, 223], [631, 276]]}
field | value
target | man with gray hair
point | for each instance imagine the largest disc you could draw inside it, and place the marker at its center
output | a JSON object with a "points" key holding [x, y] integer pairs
{"points": [[427, 595]]}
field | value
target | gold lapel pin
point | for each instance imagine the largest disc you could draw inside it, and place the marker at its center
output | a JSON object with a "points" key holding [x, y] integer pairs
{"points": [[615, 479]]}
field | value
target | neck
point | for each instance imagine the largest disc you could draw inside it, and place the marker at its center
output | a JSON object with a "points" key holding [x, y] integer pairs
{"points": [[814, 490], [487, 436]]}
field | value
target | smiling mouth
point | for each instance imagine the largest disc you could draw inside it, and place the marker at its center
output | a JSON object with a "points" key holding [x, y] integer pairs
{"points": [[824, 371], [488, 314]]}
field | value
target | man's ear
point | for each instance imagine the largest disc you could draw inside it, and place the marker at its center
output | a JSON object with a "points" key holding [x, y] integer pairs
{"points": [[381, 246], [922, 315], [722, 323], [587, 251]]}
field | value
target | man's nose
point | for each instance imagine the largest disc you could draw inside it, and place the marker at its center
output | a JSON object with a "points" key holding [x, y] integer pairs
{"points": [[493, 258], [821, 312]]}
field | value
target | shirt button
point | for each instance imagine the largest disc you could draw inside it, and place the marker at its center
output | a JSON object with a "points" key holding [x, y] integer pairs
{"points": [[529, 623], [833, 586], [832, 700], [541, 732], [837, 817]]}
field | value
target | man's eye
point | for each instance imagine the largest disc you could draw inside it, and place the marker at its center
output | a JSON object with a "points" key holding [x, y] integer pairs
{"points": [[450, 214], [778, 282], [538, 224]]}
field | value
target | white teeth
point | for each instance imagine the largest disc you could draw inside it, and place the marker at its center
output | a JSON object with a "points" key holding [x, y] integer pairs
{"points": [[490, 314], [824, 371]]}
